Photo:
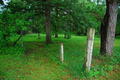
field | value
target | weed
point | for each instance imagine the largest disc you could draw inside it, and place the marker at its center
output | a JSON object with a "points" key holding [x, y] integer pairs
{"points": [[108, 68]]}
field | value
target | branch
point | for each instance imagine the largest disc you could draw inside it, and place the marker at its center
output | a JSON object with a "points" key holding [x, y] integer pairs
{"points": [[99, 17]]}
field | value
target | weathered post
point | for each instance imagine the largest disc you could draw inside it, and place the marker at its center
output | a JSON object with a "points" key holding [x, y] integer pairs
{"points": [[89, 48], [61, 52]]}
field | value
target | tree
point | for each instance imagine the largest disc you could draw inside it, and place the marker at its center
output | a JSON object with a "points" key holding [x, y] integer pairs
{"points": [[97, 10], [19, 17], [47, 23], [5, 29], [108, 27], [38, 25], [118, 24]]}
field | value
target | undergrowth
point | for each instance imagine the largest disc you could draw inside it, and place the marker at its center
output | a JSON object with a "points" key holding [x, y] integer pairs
{"points": [[12, 50]]}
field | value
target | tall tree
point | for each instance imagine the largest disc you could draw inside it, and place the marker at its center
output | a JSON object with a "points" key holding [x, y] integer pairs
{"points": [[47, 24], [56, 30], [118, 24], [108, 27]]}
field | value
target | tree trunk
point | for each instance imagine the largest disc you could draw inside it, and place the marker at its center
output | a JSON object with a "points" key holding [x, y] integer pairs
{"points": [[65, 35], [85, 32], [38, 35], [23, 33], [108, 29], [79, 33], [68, 36], [98, 31], [56, 35], [56, 30], [48, 28]]}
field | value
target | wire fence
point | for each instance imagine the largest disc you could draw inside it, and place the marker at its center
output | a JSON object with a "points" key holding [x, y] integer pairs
{"points": [[45, 48]]}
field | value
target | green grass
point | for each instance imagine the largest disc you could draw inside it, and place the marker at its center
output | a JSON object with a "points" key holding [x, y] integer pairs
{"points": [[38, 61]]}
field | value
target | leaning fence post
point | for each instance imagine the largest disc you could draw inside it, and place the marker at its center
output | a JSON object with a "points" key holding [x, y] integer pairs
{"points": [[89, 48], [61, 52]]}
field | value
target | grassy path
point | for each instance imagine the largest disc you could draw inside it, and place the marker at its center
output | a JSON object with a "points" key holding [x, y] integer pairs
{"points": [[34, 65]]}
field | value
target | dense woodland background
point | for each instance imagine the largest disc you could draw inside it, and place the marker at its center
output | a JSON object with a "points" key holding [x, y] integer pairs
{"points": [[66, 16]]}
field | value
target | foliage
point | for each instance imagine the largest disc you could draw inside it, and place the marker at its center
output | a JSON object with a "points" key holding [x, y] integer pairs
{"points": [[6, 29], [66, 16], [38, 24], [118, 23]]}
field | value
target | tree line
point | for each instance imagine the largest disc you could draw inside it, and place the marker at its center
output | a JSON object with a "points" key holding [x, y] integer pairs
{"points": [[61, 16]]}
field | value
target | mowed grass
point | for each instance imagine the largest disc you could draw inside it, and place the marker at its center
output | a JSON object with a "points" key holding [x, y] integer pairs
{"points": [[41, 61]]}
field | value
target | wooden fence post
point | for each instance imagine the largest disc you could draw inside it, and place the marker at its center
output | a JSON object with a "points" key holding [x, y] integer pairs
{"points": [[89, 48], [61, 52]]}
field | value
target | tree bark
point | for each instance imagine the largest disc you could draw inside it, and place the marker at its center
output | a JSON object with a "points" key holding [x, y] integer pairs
{"points": [[38, 35], [85, 32], [98, 31], [78, 33], [56, 30], [56, 35], [65, 35], [23, 33], [108, 29], [48, 28]]}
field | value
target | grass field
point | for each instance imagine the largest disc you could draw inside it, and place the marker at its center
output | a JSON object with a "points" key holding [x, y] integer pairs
{"points": [[38, 61]]}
